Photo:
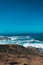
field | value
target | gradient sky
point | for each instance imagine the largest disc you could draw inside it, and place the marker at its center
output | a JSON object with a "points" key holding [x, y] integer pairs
{"points": [[17, 16]]}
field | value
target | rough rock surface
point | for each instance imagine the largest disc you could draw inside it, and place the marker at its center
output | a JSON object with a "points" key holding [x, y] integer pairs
{"points": [[19, 55]]}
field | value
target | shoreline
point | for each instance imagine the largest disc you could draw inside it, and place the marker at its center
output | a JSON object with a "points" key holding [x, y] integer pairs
{"points": [[13, 54]]}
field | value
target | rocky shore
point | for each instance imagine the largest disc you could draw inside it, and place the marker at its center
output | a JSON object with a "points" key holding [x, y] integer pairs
{"points": [[19, 55]]}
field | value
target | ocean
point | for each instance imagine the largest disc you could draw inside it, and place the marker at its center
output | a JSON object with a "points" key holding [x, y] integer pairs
{"points": [[27, 39]]}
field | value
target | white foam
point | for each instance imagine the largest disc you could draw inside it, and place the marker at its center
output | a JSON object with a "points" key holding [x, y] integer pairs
{"points": [[33, 45], [26, 41], [13, 38], [31, 40], [1, 43]]}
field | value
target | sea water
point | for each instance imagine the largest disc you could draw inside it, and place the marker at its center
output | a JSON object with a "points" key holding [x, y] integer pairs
{"points": [[25, 40]]}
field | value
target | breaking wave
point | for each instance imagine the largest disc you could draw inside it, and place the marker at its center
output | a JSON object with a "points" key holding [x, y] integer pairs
{"points": [[21, 40]]}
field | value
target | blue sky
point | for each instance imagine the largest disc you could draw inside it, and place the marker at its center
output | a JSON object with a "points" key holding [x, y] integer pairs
{"points": [[19, 16]]}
